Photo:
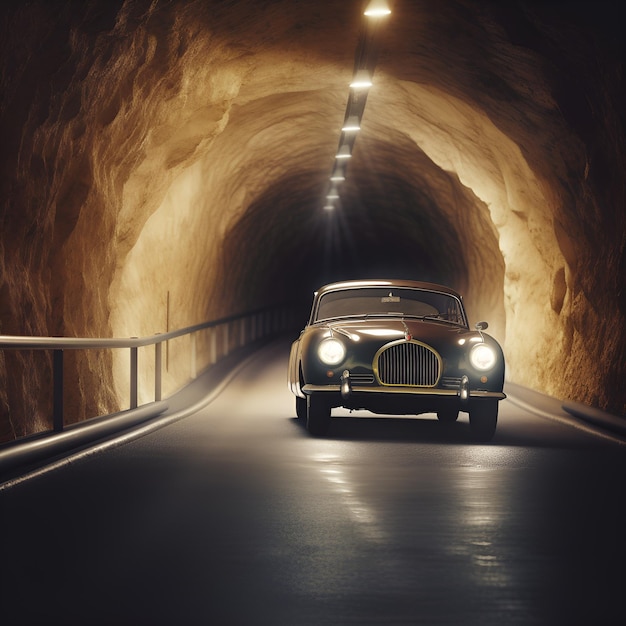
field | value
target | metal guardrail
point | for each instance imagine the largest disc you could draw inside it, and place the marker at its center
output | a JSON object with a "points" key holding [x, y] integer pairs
{"points": [[236, 329]]}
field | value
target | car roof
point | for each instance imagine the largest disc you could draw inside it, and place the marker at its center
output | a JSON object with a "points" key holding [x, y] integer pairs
{"points": [[392, 282]]}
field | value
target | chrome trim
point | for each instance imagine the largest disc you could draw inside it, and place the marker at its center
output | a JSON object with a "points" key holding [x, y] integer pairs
{"points": [[362, 379], [346, 388], [416, 391], [450, 382], [496, 395], [315, 388], [464, 389]]}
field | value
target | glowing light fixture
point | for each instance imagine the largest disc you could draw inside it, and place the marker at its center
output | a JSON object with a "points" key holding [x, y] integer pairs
{"points": [[362, 80], [344, 152], [482, 357], [352, 125], [331, 351], [365, 59], [377, 8], [329, 207]]}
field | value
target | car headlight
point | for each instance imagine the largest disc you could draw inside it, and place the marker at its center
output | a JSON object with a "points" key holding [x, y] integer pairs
{"points": [[331, 351], [482, 357]]}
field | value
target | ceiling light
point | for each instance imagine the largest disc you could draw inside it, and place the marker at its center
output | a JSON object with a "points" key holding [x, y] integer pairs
{"points": [[377, 8], [362, 80], [351, 125], [344, 152], [329, 207], [338, 174]]}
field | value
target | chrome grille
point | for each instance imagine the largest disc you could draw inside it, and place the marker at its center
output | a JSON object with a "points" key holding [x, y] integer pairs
{"points": [[408, 363]]}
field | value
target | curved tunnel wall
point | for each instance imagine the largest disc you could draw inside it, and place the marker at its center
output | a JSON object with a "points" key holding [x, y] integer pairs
{"points": [[165, 163]]}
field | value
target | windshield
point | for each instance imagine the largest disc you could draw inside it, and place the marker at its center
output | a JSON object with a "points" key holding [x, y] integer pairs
{"points": [[390, 301]]}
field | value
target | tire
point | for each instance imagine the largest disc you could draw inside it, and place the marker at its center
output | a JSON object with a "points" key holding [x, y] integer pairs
{"points": [[301, 408], [317, 416], [448, 416], [483, 417]]}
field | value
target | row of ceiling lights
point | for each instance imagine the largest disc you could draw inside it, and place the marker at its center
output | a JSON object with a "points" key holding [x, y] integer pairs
{"points": [[364, 64]]}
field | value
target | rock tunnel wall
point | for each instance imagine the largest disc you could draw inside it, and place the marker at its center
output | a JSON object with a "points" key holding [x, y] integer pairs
{"points": [[178, 152]]}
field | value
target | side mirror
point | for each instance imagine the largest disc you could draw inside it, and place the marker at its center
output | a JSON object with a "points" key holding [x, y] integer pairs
{"points": [[482, 326]]}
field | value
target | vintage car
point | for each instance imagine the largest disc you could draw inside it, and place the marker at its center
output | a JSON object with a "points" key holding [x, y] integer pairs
{"points": [[395, 347]]}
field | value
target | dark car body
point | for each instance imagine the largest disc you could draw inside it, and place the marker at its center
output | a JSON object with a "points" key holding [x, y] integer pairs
{"points": [[395, 347]]}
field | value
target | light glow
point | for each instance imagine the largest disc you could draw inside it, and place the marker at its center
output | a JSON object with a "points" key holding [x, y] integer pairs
{"points": [[377, 8], [331, 351], [361, 283], [382, 332], [482, 357], [362, 80], [352, 125], [344, 153]]}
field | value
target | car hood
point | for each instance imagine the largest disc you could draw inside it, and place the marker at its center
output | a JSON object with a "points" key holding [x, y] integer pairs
{"points": [[384, 330]]}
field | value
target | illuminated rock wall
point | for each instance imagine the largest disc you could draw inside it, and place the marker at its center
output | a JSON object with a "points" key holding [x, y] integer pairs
{"points": [[165, 163]]}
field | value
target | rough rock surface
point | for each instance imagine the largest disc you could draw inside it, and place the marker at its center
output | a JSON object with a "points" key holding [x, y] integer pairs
{"points": [[178, 152]]}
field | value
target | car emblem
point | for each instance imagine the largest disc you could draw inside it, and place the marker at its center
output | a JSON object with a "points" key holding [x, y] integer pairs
{"points": [[407, 336]]}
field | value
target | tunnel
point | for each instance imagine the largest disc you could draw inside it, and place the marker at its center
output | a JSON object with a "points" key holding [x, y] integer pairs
{"points": [[165, 163]]}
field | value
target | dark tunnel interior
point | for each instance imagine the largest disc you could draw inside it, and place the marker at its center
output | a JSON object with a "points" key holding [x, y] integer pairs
{"points": [[170, 161]]}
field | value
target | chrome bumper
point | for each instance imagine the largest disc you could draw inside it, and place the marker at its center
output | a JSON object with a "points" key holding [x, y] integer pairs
{"points": [[346, 390]]}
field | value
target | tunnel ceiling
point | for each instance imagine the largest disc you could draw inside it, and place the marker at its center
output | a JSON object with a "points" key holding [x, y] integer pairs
{"points": [[385, 225], [169, 160]]}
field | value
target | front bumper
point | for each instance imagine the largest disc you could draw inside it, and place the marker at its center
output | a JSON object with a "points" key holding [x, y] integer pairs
{"points": [[348, 391], [416, 391]]}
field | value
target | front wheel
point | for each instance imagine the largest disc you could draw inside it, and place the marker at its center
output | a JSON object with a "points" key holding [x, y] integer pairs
{"points": [[317, 416], [483, 417]]}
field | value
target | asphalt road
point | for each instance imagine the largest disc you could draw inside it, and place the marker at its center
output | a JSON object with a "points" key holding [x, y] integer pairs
{"points": [[235, 516]]}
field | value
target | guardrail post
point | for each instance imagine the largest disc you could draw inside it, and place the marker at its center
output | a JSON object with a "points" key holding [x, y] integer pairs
{"points": [[158, 366], [192, 338], [133, 376], [57, 376], [213, 356]]}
